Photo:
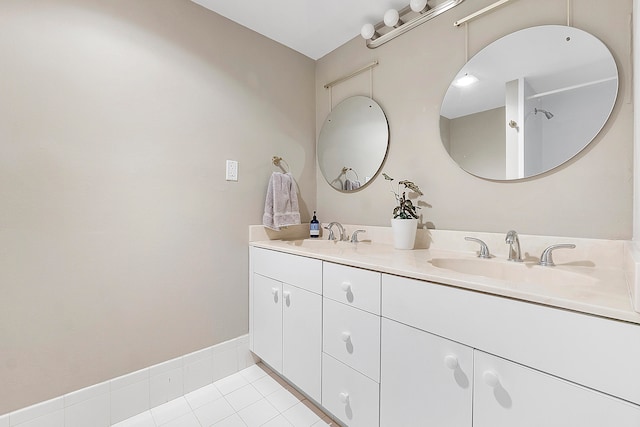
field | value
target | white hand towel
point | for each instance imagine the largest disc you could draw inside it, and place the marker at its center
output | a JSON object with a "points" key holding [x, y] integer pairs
{"points": [[281, 204], [351, 185]]}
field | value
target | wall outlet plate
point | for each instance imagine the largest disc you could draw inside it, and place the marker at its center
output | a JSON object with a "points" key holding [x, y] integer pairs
{"points": [[232, 170]]}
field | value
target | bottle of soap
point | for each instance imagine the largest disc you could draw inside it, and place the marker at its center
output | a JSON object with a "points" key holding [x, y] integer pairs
{"points": [[314, 227]]}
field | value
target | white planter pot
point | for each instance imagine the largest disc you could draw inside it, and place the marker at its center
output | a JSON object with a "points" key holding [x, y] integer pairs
{"points": [[404, 232]]}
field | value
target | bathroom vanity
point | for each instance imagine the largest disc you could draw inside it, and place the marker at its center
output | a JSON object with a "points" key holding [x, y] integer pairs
{"points": [[381, 337]]}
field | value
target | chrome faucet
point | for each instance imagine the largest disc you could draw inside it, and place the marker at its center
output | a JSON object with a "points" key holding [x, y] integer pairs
{"points": [[340, 230], [546, 259], [514, 246]]}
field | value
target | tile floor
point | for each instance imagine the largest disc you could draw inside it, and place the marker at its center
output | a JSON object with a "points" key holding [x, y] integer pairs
{"points": [[250, 398]]}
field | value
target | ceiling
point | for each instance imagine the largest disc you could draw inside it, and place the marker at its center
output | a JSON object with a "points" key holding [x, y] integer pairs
{"points": [[311, 27]]}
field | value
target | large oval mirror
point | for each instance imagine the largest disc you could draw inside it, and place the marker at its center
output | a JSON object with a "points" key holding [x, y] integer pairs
{"points": [[353, 143], [528, 102]]}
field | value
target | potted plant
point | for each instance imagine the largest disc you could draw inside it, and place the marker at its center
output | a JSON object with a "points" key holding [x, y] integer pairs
{"points": [[405, 218]]}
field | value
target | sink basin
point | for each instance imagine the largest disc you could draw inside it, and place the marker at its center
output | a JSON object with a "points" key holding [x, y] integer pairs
{"points": [[519, 272]]}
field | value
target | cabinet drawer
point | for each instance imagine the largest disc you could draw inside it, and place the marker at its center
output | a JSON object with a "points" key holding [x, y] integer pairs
{"points": [[305, 273], [352, 336], [349, 395], [352, 286], [507, 394], [596, 352]]}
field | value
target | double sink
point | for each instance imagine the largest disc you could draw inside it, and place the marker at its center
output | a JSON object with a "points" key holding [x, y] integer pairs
{"points": [[515, 269]]}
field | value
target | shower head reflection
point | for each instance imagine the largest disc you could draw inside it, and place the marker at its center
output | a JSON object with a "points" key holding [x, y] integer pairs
{"points": [[547, 114]]}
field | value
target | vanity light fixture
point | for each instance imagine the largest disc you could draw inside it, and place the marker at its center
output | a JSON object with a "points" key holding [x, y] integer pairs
{"points": [[392, 18], [419, 6], [466, 80], [396, 22], [368, 32]]}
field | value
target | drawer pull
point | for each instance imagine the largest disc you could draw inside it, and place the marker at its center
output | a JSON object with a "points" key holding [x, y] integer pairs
{"points": [[286, 294], [344, 397], [451, 362], [346, 336], [491, 379], [346, 286], [274, 292]]}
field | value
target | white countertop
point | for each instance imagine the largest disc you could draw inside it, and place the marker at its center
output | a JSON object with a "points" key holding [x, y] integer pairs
{"points": [[572, 285]]}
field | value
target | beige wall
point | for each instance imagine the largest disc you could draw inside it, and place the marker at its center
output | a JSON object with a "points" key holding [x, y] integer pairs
{"points": [[591, 196], [121, 244], [636, 119]]}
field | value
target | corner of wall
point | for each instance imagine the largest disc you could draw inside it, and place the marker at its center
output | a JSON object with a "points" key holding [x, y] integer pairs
{"points": [[636, 123]]}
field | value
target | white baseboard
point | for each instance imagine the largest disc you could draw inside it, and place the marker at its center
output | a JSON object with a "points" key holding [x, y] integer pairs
{"points": [[120, 398]]}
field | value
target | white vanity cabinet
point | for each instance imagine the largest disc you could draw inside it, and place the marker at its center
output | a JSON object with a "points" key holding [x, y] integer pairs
{"points": [[426, 380], [384, 350], [286, 316], [551, 362]]}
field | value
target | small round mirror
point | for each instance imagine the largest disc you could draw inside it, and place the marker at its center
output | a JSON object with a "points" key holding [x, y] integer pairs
{"points": [[353, 143], [528, 102]]}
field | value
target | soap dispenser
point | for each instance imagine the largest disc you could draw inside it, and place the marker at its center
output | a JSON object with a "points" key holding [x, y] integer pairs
{"points": [[314, 227]]}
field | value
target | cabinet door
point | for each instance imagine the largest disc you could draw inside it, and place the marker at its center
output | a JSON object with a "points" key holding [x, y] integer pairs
{"points": [[425, 380], [507, 395], [267, 320], [302, 339]]}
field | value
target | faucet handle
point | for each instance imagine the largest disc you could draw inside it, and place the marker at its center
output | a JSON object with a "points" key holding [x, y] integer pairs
{"points": [[484, 249], [546, 259], [354, 236], [330, 236]]}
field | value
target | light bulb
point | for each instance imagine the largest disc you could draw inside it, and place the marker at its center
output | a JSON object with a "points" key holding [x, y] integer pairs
{"points": [[392, 18], [466, 80], [367, 32], [418, 6]]}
